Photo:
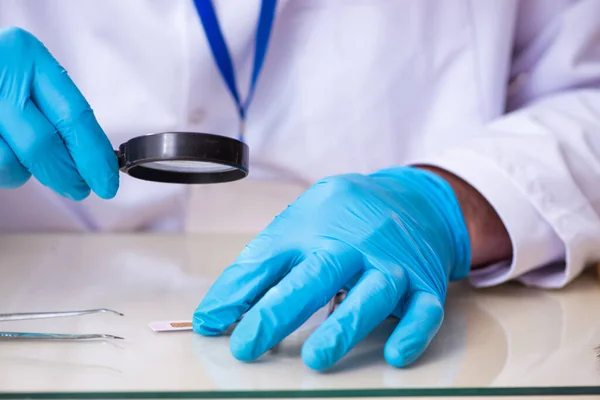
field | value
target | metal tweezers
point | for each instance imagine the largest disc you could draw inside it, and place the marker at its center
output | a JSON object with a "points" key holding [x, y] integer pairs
{"points": [[53, 336]]}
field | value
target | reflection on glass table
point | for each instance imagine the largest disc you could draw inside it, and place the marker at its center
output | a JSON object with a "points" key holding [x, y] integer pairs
{"points": [[504, 340]]}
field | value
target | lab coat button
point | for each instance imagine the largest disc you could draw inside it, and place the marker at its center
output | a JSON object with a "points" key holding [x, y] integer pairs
{"points": [[196, 116]]}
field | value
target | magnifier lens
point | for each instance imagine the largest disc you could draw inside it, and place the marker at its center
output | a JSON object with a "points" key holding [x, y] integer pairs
{"points": [[184, 157], [185, 166]]}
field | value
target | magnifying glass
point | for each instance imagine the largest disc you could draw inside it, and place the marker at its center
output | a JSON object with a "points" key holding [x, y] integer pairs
{"points": [[184, 157]]}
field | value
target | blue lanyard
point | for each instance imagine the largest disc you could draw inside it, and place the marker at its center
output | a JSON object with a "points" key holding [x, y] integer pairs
{"points": [[221, 55]]}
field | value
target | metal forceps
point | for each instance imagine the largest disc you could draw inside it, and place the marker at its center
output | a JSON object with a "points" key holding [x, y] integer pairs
{"points": [[53, 336]]}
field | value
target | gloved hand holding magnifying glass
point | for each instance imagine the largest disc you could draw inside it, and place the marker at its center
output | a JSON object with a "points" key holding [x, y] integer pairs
{"points": [[48, 130]]}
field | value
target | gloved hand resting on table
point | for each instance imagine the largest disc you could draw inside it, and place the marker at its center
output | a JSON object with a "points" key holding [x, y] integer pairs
{"points": [[394, 238], [47, 128]]}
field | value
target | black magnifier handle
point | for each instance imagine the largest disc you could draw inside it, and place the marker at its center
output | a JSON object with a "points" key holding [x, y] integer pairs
{"points": [[118, 154]]}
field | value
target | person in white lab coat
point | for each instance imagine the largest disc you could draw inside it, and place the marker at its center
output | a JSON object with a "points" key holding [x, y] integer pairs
{"points": [[447, 140]]}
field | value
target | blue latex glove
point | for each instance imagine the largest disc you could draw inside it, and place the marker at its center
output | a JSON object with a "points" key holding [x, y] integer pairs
{"points": [[47, 128], [395, 238]]}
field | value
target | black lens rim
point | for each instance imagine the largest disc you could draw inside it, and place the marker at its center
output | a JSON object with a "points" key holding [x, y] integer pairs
{"points": [[184, 146]]}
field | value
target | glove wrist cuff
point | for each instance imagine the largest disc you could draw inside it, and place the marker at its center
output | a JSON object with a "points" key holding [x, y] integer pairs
{"points": [[452, 240]]}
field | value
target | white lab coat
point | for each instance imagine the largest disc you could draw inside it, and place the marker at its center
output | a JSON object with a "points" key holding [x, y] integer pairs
{"points": [[503, 93]]}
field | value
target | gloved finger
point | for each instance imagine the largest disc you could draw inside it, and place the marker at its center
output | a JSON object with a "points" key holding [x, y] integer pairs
{"points": [[367, 304], [415, 331], [61, 102], [307, 288], [41, 150], [12, 173], [261, 265]]}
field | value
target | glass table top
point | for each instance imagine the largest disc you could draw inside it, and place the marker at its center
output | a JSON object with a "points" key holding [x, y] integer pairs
{"points": [[507, 340]]}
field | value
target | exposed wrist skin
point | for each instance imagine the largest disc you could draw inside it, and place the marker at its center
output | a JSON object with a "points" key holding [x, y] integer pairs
{"points": [[488, 236]]}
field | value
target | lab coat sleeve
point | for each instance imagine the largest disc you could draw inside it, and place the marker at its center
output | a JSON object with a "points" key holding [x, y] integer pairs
{"points": [[539, 164]]}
